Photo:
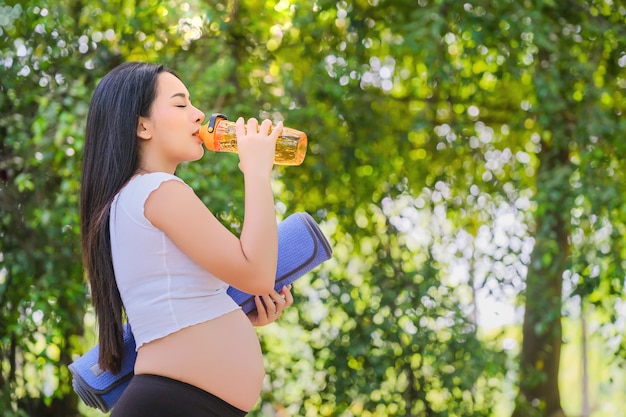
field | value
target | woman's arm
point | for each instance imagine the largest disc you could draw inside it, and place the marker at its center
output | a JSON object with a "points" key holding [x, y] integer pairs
{"points": [[247, 262]]}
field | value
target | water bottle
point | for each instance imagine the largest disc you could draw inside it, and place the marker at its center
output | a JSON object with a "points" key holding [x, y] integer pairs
{"points": [[219, 135]]}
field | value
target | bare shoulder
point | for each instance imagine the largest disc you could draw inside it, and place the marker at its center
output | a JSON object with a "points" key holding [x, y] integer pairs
{"points": [[170, 201]]}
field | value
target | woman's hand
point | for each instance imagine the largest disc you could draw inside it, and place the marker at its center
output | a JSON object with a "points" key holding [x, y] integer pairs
{"points": [[269, 307], [256, 145]]}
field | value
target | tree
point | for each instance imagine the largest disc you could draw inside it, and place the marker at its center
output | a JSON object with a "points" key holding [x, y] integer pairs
{"points": [[441, 68], [427, 120], [51, 57], [575, 121]]}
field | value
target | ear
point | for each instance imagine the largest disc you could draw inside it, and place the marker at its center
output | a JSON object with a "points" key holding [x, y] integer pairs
{"points": [[143, 128]]}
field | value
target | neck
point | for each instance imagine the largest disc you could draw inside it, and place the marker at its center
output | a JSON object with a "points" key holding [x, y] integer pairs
{"points": [[141, 171]]}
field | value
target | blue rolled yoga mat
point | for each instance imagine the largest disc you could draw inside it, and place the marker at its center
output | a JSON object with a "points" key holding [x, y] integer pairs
{"points": [[301, 247]]}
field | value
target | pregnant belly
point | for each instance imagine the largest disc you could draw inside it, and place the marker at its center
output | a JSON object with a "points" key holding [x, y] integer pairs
{"points": [[222, 356]]}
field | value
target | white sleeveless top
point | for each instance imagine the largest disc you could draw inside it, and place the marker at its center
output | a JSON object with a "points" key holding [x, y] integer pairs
{"points": [[162, 289]]}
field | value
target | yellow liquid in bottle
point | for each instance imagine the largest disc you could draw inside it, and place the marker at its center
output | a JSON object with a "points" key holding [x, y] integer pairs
{"points": [[291, 145]]}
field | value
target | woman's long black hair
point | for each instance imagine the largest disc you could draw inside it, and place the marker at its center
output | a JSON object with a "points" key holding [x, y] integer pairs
{"points": [[110, 158]]}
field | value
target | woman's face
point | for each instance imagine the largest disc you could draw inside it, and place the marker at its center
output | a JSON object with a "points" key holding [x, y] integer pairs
{"points": [[170, 133]]}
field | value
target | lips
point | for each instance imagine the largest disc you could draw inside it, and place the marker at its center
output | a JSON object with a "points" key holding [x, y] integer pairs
{"points": [[196, 134]]}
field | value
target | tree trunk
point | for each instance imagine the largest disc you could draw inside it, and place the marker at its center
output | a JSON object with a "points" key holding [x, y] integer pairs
{"points": [[542, 330], [586, 412]]}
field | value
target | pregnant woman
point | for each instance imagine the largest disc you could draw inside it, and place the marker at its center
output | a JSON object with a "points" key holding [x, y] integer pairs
{"points": [[156, 256]]}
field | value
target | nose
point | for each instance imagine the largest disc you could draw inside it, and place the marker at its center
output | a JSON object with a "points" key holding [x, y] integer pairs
{"points": [[200, 116]]}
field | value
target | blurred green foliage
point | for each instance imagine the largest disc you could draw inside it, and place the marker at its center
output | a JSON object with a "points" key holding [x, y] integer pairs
{"points": [[455, 149]]}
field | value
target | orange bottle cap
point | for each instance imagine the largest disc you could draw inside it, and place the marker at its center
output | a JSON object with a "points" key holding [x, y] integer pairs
{"points": [[207, 132]]}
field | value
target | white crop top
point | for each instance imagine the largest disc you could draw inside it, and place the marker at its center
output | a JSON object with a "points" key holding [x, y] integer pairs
{"points": [[162, 289]]}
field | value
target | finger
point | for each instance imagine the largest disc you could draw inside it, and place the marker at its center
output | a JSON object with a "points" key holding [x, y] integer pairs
{"points": [[278, 129], [270, 306], [264, 315], [253, 125], [240, 127], [282, 299], [286, 293], [278, 297], [260, 307], [265, 126], [259, 316]]}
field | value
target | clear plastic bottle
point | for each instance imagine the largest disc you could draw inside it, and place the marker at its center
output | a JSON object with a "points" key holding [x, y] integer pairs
{"points": [[219, 135]]}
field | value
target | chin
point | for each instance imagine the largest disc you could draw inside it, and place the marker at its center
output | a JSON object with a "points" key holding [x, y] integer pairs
{"points": [[198, 155], [193, 153]]}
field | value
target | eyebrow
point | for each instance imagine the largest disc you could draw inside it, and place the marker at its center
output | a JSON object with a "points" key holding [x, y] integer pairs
{"points": [[179, 95]]}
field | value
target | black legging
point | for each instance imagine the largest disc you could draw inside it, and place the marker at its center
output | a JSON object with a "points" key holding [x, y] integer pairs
{"points": [[158, 396]]}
